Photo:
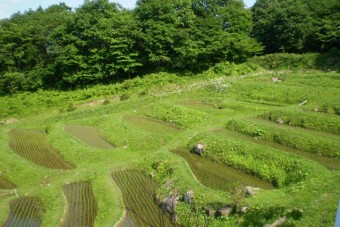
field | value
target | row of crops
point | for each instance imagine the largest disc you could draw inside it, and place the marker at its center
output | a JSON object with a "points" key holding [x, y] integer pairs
{"points": [[33, 146]]}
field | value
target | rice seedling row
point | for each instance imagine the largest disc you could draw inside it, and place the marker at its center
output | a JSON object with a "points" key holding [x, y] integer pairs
{"points": [[33, 146], [139, 197], [217, 175], [25, 211], [151, 125], [81, 204], [88, 135], [5, 184]]}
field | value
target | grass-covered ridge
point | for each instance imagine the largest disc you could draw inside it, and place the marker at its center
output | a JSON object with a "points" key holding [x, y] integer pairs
{"points": [[149, 119]]}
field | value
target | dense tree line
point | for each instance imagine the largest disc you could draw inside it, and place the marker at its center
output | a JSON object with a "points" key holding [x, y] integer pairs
{"points": [[101, 42], [297, 26]]}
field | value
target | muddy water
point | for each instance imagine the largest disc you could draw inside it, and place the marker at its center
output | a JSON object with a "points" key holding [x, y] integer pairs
{"points": [[81, 204], [217, 175], [139, 200]]}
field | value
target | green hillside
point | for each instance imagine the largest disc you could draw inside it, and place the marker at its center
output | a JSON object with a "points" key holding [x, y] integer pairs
{"points": [[125, 148]]}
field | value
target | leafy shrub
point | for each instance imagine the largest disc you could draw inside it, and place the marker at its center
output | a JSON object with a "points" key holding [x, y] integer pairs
{"points": [[278, 168], [124, 96], [287, 137], [315, 121]]}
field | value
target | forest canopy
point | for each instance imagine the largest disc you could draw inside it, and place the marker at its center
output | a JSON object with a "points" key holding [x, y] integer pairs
{"points": [[101, 42]]}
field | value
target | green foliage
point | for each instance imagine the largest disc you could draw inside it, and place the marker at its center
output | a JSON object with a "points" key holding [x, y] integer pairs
{"points": [[296, 139], [177, 115], [278, 168], [296, 26], [286, 61], [263, 215], [124, 96]]}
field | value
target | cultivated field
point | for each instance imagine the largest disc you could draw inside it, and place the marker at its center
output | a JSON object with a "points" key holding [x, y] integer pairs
{"points": [[139, 193], [81, 205], [32, 145], [25, 211], [106, 164], [88, 135]]}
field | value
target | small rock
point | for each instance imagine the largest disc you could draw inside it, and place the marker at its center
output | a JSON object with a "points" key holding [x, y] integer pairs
{"points": [[275, 79], [249, 191], [280, 121], [244, 209], [199, 149], [278, 222], [225, 211], [11, 121], [209, 211], [174, 218]]}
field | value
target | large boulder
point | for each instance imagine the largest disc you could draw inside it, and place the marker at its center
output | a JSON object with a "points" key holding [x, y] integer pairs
{"points": [[199, 148], [169, 203]]}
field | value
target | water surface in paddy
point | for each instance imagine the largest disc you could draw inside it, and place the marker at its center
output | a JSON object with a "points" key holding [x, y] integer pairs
{"points": [[217, 175]]}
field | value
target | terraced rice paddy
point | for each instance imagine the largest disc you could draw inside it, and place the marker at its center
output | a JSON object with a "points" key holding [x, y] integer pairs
{"points": [[217, 175], [88, 135], [330, 163], [81, 205], [151, 125], [25, 211], [5, 184], [33, 146], [198, 104], [138, 193]]}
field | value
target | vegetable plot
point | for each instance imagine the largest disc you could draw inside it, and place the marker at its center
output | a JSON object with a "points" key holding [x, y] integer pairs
{"points": [[88, 135], [138, 193], [81, 204], [33, 146], [25, 211]]}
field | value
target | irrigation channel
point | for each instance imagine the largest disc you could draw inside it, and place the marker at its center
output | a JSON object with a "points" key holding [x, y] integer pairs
{"points": [[217, 175]]}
